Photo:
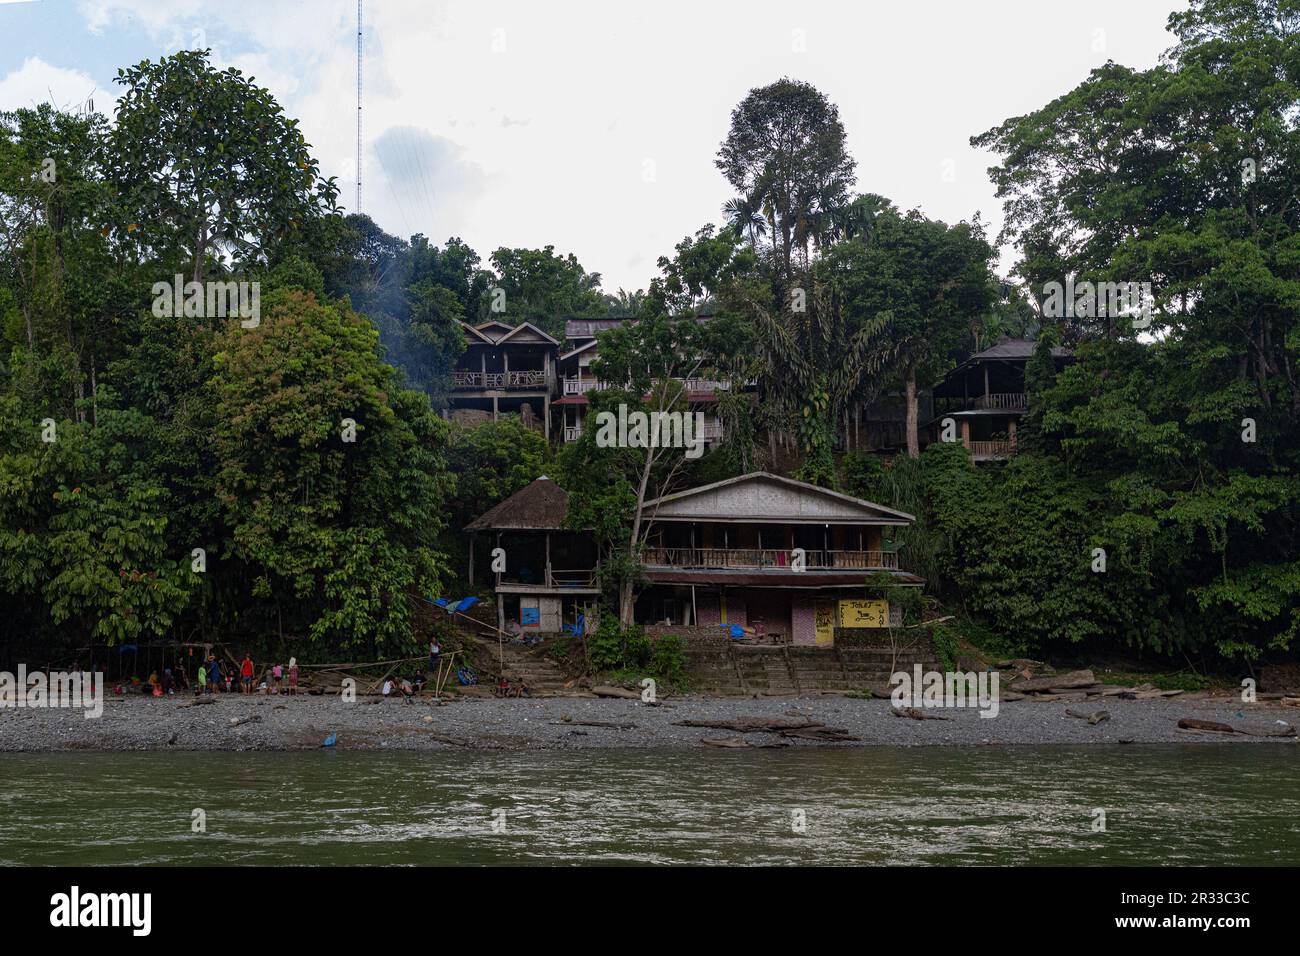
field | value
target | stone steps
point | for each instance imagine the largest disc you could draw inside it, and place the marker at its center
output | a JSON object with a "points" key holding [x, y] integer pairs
{"points": [[716, 667]]}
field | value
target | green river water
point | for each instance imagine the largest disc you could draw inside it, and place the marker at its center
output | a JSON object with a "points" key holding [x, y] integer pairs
{"points": [[1165, 804]]}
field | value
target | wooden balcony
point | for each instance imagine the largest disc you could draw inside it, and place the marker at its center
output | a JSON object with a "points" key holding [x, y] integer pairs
{"points": [[707, 385], [572, 432], [748, 559], [992, 450], [581, 386], [1002, 401], [551, 579], [499, 380], [712, 431]]}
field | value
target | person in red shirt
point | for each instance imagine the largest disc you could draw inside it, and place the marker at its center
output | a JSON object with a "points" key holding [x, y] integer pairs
{"points": [[246, 673]]}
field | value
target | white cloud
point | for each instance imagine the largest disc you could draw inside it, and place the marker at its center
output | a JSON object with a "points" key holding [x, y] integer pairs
{"points": [[38, 82], [535, 124]]}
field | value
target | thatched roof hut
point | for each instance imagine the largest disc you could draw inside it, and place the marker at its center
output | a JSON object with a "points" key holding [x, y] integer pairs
{"points": [[540, 506]]}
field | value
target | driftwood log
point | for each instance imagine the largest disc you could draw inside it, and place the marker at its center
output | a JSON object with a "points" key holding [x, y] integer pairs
{"points": [[819, 733], [1057, 682], [622, 692], [916, 713], [750, 725], [1192, 723], [737, 743], [1287, 731], [1094, 718]]}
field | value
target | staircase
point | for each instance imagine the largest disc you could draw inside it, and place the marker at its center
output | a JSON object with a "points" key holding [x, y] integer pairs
{"points": [[541, 675]]}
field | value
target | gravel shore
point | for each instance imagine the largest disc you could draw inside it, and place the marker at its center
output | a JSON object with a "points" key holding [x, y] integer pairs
{"points": [[300, 723]]}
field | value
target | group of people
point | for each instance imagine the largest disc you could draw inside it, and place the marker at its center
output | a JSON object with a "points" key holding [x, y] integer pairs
{"points": [[407, 688], [213, 678], [517, 688]]}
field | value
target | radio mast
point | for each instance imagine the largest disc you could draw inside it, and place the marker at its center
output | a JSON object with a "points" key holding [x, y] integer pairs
{"points": [[358, 209]]}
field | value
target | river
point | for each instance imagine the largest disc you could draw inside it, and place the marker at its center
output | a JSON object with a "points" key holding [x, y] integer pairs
{"points": [[1167, 804]]}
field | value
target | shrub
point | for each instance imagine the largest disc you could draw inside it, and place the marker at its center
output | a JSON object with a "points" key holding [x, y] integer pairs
{"points": [[668, 661]]}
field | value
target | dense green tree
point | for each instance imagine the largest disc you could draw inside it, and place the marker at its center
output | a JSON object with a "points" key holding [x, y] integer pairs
{"points": [[491, 461], [330, 476], [541, 287], [924, 282], [207, 165], [785, 155]]}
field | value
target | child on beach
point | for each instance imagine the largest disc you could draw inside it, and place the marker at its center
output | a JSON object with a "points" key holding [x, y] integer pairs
{"points": [[246, 673], [202, 687], [276, 673], [293, 676]]}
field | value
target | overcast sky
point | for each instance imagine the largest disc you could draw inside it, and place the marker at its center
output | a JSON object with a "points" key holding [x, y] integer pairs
{"points": [[592, 126]]}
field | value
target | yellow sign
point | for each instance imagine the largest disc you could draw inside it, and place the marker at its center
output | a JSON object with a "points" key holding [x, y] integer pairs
{"points": [[824, 620], [864, 614]]}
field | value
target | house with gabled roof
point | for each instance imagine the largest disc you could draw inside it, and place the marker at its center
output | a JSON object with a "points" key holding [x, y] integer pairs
{"points": [[981, 401], [777, 557], [576, 379], [505, 369]]}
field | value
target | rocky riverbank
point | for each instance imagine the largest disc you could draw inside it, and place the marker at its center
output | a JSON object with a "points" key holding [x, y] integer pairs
{"points": [[297, 723]]}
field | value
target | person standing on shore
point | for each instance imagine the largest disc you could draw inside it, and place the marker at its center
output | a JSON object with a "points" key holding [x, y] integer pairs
{"points": [[277, 672], [214, 673], [202, 687], [246, 672], [293, 676]]}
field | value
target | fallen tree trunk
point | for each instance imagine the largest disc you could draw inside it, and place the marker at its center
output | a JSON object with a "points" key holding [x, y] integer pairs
{"points": [[749, 725], [1192, 723], [1284, 732], [916, 713], [1094, 718], [622, 692], [736, 743], [1071, 681], [820, 733]]}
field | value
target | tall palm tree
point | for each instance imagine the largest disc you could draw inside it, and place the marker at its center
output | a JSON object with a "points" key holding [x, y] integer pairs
{"points": [[743, 215], [815, 363]]}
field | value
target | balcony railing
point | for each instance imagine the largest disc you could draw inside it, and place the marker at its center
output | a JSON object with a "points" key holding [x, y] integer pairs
{"points": [[1002, 401], [553, 578], [572, 432], [712, 431], [581, 386], [706, 385], [525, 379], [984, 450], [758, 558], [580, 578]]}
